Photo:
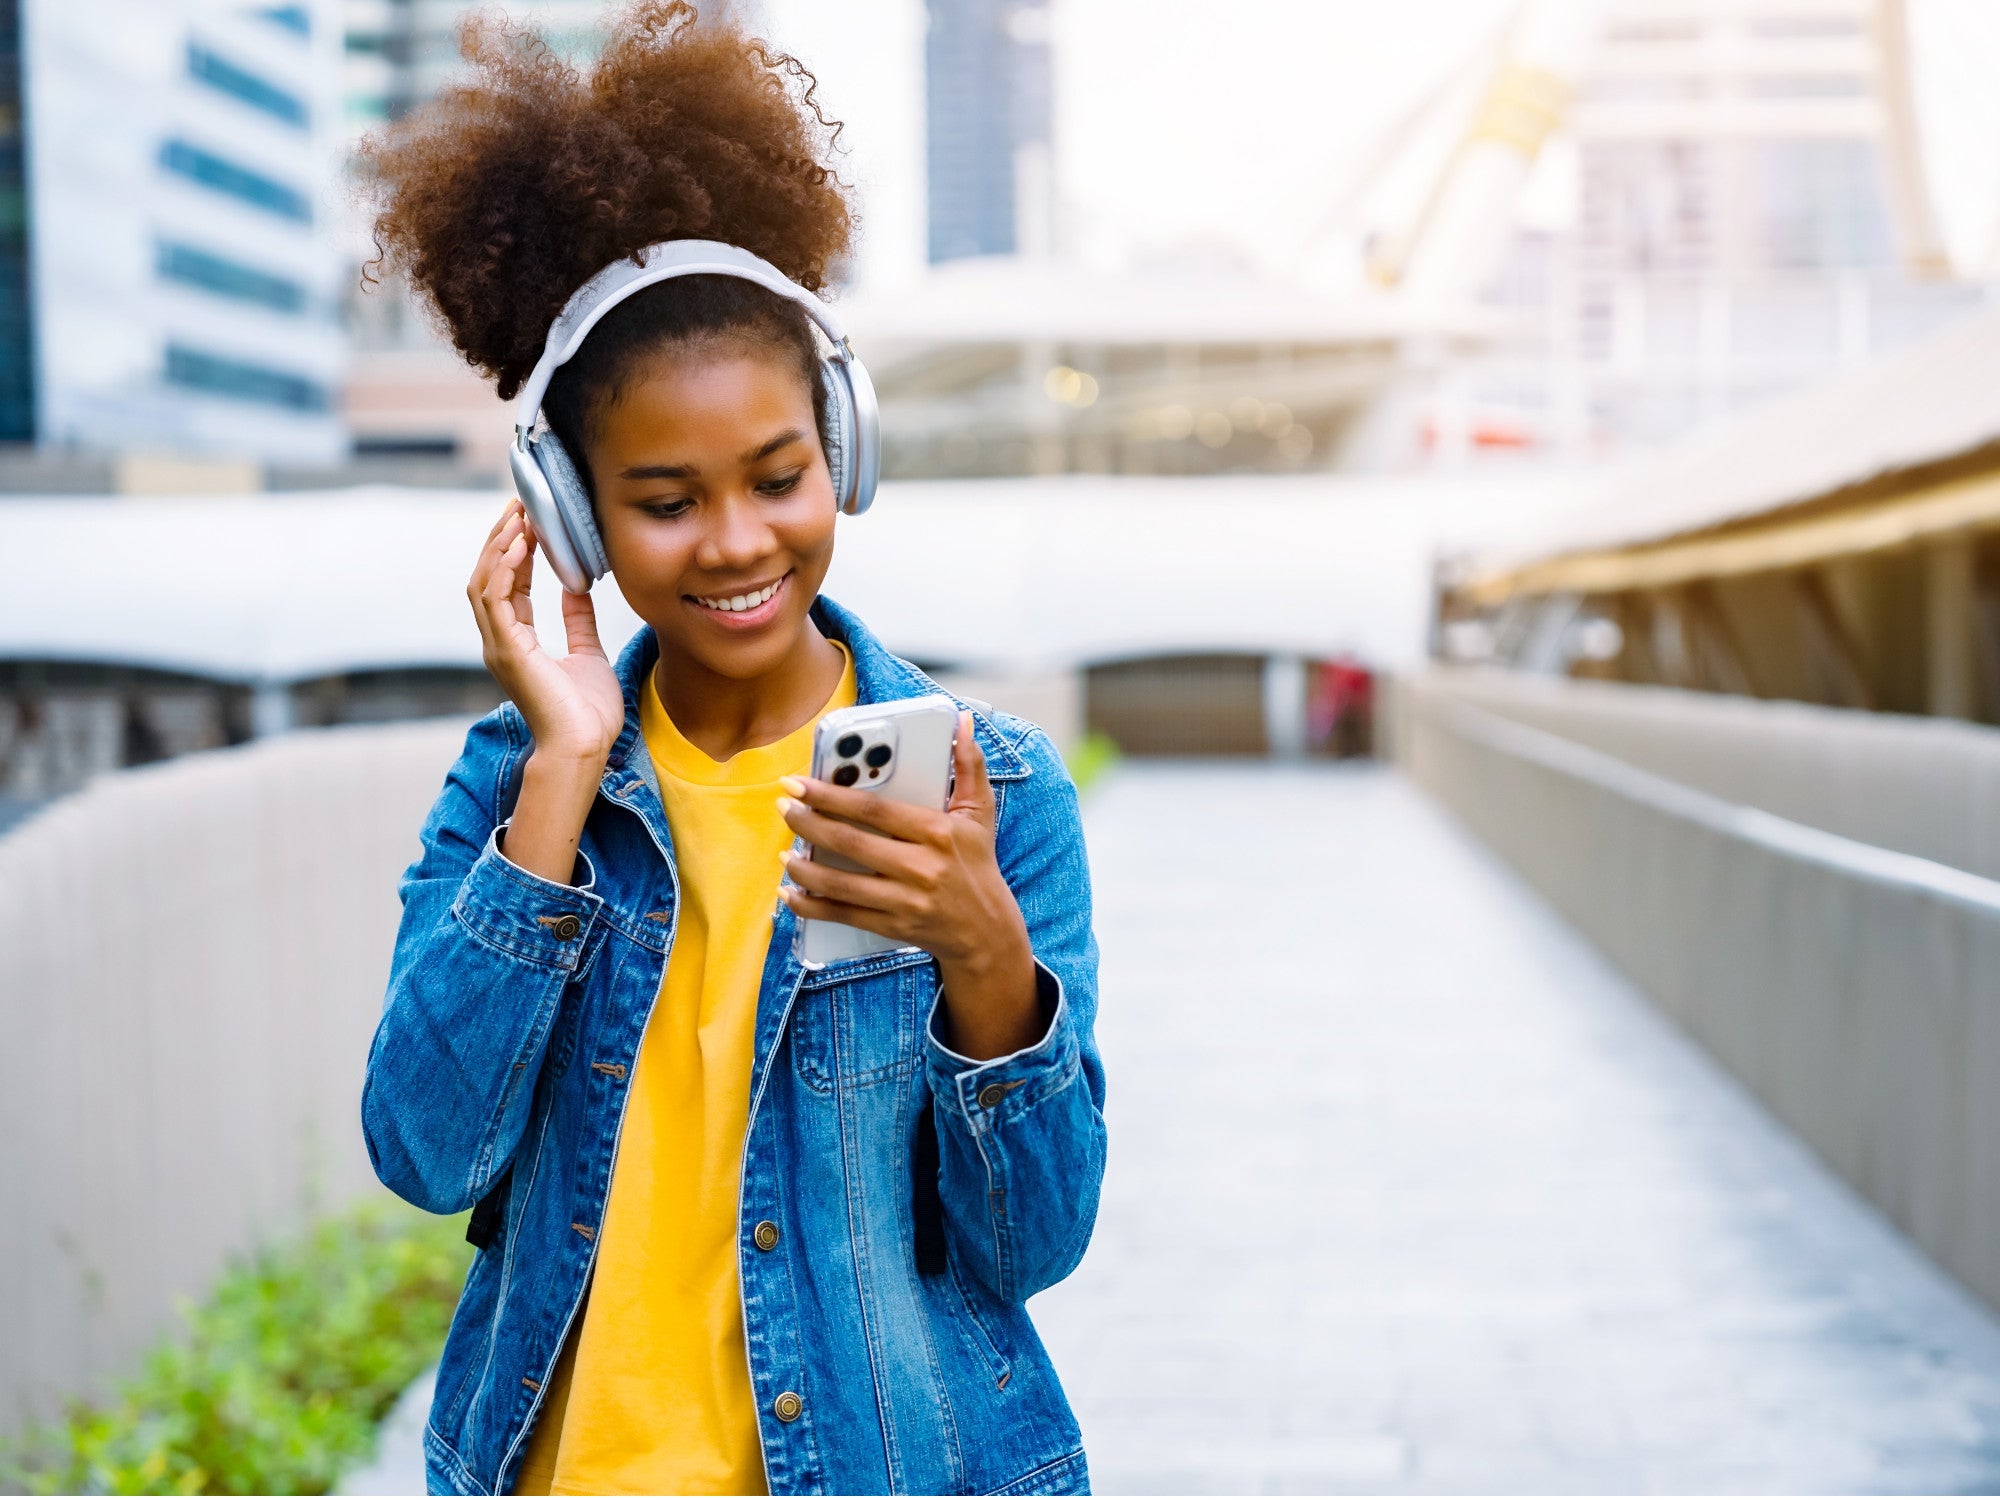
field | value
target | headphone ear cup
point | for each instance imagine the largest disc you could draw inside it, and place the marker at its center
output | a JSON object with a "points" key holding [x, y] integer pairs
{"points": [[838, 436], [573, 502]]}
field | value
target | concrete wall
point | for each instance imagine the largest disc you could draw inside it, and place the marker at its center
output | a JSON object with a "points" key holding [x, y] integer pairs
{"points": [[192, 958], [1923, 786], [1850, 987]]}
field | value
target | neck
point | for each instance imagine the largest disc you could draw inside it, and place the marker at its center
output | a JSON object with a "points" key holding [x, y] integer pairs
{"points": [[724, 716]]}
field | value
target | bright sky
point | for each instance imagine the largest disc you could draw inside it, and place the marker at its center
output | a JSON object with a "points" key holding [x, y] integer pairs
{"points": [[1184, 122]]}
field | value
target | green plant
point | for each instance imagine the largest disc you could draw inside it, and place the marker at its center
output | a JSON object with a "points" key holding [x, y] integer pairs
{"points": [[1091, 757], [281, 1376]]}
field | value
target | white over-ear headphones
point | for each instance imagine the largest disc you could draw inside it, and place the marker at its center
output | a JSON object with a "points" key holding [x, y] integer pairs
{"points": [[546, 476]]}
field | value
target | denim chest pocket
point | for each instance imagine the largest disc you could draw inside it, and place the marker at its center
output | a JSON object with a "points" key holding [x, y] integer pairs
{"points": [[861, 1022]]}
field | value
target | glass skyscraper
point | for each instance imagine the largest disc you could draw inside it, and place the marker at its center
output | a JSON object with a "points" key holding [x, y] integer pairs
{"points": [[987, 108], [169, 268]]}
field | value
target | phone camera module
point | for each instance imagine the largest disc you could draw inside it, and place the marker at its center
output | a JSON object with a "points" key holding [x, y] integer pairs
{"points": [[846, 775], [878, 756], [848, 746]]}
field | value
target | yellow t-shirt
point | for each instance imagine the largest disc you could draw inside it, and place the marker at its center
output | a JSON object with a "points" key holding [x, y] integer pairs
{"points": [[653, 1395]]}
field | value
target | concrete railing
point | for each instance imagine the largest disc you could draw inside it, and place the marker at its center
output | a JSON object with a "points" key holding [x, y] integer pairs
{"points": [[1852, 988], [1921, 786], [192, 958]]}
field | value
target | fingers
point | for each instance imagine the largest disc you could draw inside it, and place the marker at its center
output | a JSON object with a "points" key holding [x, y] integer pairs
{"points": [[900, 820], [520, 597], [500, 593], [890, 856], [817, 878], [579, 614], [972, 792], [819, 909], [498, 540]]}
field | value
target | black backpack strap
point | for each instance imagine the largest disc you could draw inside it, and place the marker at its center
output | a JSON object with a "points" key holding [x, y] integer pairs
{"points": [[926, 1207], [489, 1213]]}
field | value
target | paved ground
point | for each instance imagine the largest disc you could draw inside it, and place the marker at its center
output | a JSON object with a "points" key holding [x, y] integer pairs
{"points": [[1409, 1191], [398, 1468]]}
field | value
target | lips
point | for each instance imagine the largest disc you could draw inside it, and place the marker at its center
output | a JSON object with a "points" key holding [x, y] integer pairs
{"points": [[733, 603], [742, 610]]}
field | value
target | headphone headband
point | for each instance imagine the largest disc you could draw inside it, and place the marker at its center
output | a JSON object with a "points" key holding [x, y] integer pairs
{"points": [[545, 474], [654, 264]]}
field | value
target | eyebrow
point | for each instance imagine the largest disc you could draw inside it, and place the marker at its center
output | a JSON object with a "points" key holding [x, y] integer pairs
{"points": [[788, 436], [689, 471]]}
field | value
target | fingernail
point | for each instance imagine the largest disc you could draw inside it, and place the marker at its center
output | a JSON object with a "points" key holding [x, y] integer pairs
{"points": [[796, 785], [785, 805]]}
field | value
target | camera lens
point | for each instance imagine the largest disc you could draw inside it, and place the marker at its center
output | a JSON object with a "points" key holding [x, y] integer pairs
{"points": [[878, 756], [848, 745], [847, 775]]}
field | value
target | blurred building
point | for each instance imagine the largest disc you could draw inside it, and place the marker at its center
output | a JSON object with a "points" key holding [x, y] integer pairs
{"points": [[1753, 210], [988, 121], [1725, 202], [169, 279], [1020, 365], [415, 410], [400, 52]]}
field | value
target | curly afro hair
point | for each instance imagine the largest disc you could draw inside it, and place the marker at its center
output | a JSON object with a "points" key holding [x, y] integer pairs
{"points": [[506, 193]]}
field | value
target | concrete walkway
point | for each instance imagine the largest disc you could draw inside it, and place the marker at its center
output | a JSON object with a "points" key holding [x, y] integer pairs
{"points": [[1409, 1191]]}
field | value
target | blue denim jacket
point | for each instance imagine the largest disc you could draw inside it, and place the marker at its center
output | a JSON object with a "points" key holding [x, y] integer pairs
{"points": [[919, 1197]]}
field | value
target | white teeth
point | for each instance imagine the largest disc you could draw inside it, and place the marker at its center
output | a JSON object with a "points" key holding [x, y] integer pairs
{"points": [[737, 602]]}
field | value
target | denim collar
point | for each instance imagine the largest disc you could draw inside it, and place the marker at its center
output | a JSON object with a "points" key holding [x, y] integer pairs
{"points": [[880, 676]]}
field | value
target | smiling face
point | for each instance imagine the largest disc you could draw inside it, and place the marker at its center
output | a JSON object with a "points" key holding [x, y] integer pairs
{"points": [[716, 505]]}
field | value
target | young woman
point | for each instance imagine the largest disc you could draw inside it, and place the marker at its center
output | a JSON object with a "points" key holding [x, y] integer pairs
{"points": [[742, 1225]]}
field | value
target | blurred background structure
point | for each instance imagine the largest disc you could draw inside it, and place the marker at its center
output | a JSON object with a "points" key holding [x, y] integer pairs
{"points": [[168, 264], [1579, 412]]}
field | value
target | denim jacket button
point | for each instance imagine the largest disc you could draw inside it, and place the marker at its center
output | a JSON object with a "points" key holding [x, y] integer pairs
{"points": [[765, 1235], [565, 927], [991, 1095], [788, 1406]]}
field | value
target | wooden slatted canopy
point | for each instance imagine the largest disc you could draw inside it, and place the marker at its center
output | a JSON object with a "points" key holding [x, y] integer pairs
{"points": [[1946, 509], [1905, 451]]}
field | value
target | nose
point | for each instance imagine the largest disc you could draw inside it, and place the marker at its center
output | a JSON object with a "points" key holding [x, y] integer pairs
{"points": [[735, 537]]}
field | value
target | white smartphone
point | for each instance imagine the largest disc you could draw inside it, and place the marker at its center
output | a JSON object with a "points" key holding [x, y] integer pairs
{"points": [[899, 750]]}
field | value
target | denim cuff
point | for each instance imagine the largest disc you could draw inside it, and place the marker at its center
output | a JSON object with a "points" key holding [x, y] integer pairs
{"points": [[987, 1094], [507, 907]]}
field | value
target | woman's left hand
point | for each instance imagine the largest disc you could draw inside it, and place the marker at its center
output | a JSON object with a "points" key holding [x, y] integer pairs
{"points": [[936, 885]]}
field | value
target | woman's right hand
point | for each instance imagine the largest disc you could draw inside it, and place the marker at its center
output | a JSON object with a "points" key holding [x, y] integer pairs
{"points": [[573, 704]]}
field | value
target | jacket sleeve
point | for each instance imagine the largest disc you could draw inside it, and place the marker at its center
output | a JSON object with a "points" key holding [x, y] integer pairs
{"points": [[1021, 1138], [481, 959]]}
